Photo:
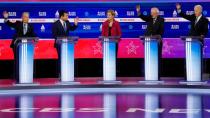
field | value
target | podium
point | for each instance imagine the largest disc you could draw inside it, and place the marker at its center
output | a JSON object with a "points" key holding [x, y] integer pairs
{"points": [[25, 59], [151, 59], [66, 59], [109, 59], [194, 54]]}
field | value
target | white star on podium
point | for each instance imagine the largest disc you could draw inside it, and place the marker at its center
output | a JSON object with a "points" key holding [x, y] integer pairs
{"points": [[132, 48]]}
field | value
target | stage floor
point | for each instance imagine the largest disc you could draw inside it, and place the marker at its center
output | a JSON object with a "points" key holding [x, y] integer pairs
{"points": [[92, 100]]}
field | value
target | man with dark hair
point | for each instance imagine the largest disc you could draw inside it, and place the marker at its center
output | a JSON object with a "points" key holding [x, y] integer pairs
{"points": [[62, 26]]}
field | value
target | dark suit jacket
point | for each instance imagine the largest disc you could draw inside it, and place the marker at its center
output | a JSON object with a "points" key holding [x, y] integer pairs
{"points": [[58, 30], [198, 29], [18, 26], [153, 29]]}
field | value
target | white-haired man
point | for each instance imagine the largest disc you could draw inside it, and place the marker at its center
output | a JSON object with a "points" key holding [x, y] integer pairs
{"points": [[23, 29], [155, 26], [199, 23]]}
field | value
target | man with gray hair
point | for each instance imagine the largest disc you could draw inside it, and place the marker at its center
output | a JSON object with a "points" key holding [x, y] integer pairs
{"points": [[155, 24], [199, 23], [23, 29]]}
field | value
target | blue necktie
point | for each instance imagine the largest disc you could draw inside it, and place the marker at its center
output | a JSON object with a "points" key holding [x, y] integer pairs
{"points": [[64, 25]]}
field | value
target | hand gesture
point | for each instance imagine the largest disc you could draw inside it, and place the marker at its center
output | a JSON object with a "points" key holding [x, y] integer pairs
{"points": [[138, 8], [76, 20]]}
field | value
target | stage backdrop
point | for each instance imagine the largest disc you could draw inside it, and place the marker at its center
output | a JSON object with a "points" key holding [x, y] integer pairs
{"points": [[91, 15]]}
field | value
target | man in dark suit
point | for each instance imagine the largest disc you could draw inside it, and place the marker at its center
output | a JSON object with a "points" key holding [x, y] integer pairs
{"points": [[199, 23], [61, 28], [155, 26], [23, 29]]}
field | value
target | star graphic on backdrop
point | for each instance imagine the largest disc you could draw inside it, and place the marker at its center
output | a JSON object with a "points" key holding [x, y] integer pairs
{"points": [[97, 48], [167, 48], [132, 48]]}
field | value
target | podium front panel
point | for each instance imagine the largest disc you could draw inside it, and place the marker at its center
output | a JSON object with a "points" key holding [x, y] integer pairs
{"points": [[193, 60], [26, 61], [67, 61], [109, 60], [151, 59]]}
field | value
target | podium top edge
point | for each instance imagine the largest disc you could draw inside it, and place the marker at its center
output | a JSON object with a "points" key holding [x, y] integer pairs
{"points": [[192, 37], [110, 37], [34, 38], [153, 36], [68, 37]]}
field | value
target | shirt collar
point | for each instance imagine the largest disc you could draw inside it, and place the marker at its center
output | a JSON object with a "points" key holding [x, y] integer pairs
{"points": [[199, 17]]}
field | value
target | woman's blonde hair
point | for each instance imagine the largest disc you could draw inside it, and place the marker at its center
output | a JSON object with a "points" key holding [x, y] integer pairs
{"points": [[111, 11]]}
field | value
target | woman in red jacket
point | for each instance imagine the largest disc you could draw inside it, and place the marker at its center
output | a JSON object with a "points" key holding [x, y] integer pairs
{"points": [[111, 27]]}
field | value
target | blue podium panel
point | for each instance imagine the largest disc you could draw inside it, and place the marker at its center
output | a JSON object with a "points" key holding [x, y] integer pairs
{"points": [[193, 59], [151, 59], [67, 61], [109, 60], [26, 61]]}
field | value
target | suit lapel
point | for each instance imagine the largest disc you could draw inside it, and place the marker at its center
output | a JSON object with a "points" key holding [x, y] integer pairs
{"points": [[61, 26]]}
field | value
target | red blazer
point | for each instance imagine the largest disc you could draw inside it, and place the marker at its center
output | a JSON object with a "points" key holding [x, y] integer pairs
{"points": [[115, 31]]}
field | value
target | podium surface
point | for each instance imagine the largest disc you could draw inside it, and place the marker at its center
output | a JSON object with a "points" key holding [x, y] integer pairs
{"points": [[66, 59], [25, 56], [109, 59]]}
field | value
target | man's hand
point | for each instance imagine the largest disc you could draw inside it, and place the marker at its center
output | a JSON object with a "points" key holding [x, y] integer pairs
{"points": [[178, 6], [5, 14], [138, 8], [76, 20]]}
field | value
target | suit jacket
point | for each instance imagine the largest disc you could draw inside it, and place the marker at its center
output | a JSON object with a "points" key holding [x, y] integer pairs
{"points": [[18, 26], [58, 30], [115, 30], [198, 29], [156, 28]]}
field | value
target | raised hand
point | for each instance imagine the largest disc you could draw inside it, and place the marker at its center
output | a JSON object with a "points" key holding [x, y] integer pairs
{"points": [[138, 8], [76, 20]]}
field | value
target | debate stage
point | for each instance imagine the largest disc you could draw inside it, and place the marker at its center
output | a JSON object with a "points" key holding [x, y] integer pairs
{"points": [[130, 99]]}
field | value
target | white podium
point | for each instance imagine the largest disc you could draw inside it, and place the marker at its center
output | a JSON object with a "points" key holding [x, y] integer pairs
{"points": [[66, 59], [109, 59], [194, 54], [151, 59], [25, 58]]}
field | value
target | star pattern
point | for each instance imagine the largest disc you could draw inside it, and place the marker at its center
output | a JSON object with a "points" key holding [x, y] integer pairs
{"points": [[131, 48]]}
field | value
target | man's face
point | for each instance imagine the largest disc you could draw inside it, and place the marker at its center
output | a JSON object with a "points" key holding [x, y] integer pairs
{"points": [[197, 11], [65, 17], [25, 18], [110, 16], [154, 13]]}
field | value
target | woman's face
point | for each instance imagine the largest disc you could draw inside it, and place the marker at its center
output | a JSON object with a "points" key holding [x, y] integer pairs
{"points": [[110, 16]]}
